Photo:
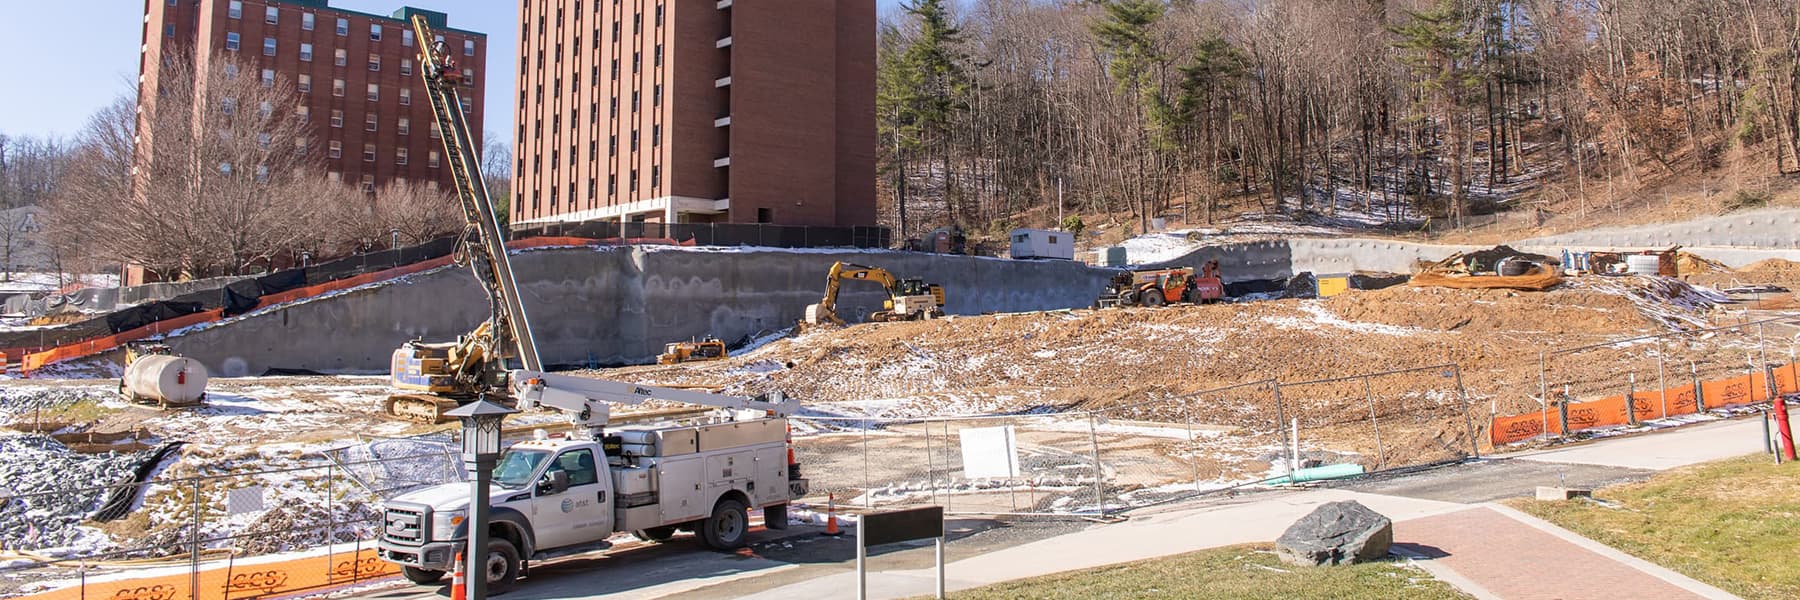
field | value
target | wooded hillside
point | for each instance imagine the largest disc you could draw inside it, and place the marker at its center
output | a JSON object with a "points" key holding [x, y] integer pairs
{"points": [[1411, 113]]}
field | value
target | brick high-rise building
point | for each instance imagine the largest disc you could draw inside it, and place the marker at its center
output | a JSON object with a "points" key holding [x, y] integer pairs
{"points": [[355, 74], [744, 111]]}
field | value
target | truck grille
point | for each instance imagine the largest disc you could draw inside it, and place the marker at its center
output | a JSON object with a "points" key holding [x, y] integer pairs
{"points": [[405, 525]]}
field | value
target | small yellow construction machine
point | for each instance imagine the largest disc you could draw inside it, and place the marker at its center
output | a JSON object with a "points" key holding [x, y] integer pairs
{"points": [[710, 348], [908, 299]]}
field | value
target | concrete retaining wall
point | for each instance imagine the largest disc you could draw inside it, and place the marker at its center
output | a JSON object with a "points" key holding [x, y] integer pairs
{"points": [[619, 305], [616, 305], [1766, 229]]}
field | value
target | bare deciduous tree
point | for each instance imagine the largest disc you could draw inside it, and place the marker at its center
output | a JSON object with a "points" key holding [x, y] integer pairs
{"points": [[215, 177]]}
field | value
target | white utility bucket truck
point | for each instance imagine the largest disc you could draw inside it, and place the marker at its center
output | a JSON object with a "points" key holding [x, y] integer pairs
{"points": [[555, 497]]}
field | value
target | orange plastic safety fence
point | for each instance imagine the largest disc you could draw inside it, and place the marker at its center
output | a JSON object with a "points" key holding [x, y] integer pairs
{"points": [[241, 581], [1646, 404]]}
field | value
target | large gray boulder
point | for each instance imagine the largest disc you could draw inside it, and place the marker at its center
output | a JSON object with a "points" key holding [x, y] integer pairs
{"points": [[1338, 533]]}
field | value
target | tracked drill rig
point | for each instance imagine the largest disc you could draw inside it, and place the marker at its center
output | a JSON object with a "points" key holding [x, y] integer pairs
{"points": [[436, 377]]}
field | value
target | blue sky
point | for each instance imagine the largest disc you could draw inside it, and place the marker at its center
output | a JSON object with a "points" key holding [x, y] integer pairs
{"points": [[63, 60]]}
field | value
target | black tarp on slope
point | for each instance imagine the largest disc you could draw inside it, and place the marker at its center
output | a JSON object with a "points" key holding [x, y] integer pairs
{"points": [[139, 316]]}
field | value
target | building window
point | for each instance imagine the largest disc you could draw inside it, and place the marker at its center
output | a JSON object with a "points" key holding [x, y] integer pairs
{"points": [[655, 175], [405, 67], [271, 15], [432, 159], [435, 134], [632, 183], [468, 47], [231, 41], [300, 146], [406, 37], [468, 105], [368, 182], [374, 32], [266, 108], [230, 71], [335, 150], [337, 87], [343, 27], [404, 125], [656, 135], [337, 118], [169, 31], [228, 105], [612, 183], [765, 215], [658, 57], [368, 153], [369, 122], [262, 173], [334, 176], [262, 140], [468, 78], [374, 92], [399, 156], [656, 95], [635, 95], [637, 62], [235, 9], [406, 96], [374, 62], [304, 83], [268, 46], [305, 52], [340, 57], [306, 21], [268, 78], [304, 113]]}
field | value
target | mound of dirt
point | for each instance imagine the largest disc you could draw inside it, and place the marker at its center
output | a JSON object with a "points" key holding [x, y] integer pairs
{"points": [[1558, 312]]}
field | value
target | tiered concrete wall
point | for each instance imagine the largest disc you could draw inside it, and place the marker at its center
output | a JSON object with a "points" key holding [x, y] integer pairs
{"points": [[620, 305], [1766, 229], [616, 305]]}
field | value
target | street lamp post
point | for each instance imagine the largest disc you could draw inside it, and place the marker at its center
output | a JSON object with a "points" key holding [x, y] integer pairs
{"points": [[393, 237], [480, 446]]}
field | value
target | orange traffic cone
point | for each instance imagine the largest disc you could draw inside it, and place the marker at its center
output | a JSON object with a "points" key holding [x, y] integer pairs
{"points": [[457, 590], [831, 526]]}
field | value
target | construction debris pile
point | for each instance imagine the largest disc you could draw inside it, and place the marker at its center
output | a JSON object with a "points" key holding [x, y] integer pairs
{"points": [[1498, 268]]}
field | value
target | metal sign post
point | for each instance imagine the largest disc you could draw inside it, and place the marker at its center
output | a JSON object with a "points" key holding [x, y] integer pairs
{"points": [[875, 529]]}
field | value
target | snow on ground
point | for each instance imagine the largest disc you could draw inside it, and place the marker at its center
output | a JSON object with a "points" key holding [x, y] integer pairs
{"points": [[1322, 316], [27, 282]]}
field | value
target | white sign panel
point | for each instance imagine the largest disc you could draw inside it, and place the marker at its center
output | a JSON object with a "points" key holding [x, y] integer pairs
{"points": [[989, 452], [244, 500]]}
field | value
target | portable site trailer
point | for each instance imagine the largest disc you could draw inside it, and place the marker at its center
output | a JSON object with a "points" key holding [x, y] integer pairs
{"points": [[1042, 243]]}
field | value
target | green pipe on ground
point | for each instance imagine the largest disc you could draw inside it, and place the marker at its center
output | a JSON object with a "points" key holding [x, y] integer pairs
{"points": [[1318, 474]]}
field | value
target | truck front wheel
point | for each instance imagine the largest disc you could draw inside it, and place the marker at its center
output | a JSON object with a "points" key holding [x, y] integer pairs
{"points": [[421, 576], [501, 566], [728, 526]]}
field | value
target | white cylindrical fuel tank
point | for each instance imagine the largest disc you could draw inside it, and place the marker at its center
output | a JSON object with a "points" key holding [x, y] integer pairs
{"points": [[170, 380]]}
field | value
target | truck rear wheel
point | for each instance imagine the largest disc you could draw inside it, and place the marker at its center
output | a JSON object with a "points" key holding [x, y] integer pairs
{"points": [[728, 526], [501, 566], [421, 576]]}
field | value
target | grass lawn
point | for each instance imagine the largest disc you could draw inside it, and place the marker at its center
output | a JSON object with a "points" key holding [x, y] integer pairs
{"points": [[1232, 572], [1734, 523]]}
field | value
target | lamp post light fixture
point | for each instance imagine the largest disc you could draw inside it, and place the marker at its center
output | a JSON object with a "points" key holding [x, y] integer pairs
{"points": [[480, 447], [305, 259], [393, 237]]}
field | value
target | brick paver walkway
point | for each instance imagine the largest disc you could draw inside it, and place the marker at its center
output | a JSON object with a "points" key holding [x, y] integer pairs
{"points": [[1517, 561]]}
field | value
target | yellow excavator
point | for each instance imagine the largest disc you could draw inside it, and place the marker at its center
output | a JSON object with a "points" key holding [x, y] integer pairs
{"points": [[436, 377], [908, 299], [711, 348]]}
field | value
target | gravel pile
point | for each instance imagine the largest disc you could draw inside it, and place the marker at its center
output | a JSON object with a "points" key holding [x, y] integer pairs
{"points": [[54, 491], [19, 403]]}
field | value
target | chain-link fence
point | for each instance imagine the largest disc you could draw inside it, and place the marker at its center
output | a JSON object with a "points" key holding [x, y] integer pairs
{"points": [[1651, 377], [1158, 450], [189, 533]]}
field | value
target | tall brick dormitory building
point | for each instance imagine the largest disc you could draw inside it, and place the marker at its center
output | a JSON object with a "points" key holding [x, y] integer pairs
{"points": [[354, 73], [696, 111]]}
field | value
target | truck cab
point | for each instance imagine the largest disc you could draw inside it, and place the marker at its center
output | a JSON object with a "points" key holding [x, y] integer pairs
{"points": [[557, 497]]}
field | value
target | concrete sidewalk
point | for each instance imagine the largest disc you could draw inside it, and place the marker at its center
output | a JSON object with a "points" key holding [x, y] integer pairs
{"points": [[1487, 550], [1662, 450]]}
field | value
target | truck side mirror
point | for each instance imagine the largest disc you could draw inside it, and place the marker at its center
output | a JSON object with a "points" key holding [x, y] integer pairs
{"points": [[554, 482]]}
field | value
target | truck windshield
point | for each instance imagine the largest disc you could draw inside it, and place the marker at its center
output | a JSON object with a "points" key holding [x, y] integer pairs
{"points": [[517, 466]]}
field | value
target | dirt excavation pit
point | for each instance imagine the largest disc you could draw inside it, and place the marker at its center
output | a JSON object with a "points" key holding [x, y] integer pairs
{"points": [[1138, 368]]}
